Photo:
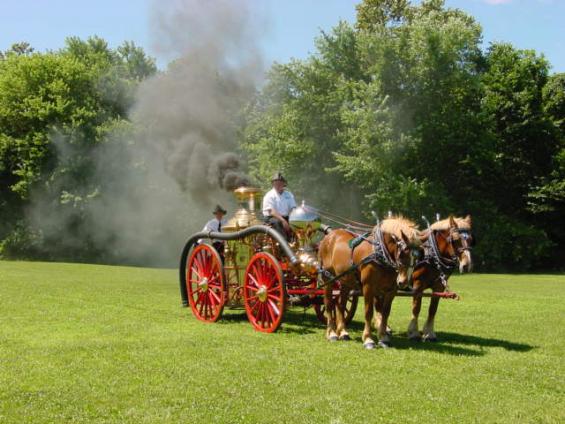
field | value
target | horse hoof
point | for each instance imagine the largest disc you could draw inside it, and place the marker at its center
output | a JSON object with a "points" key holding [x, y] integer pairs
{"points": [[415, 338], [384, 345], [345, 338], [369, 345], [430, 339], [333, 338], [388, 333]]}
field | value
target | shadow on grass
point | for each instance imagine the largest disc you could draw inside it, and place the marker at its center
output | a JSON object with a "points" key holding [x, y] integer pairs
{"points": [[446, 337], [295, 320], [301, 322], [458, 344]]}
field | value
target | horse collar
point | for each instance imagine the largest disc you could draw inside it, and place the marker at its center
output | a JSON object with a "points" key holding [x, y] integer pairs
{"points": [[380, 252]]}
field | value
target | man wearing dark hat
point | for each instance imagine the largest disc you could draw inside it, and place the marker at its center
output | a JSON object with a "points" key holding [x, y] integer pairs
{"points": [[216, 224], [277, 205]]}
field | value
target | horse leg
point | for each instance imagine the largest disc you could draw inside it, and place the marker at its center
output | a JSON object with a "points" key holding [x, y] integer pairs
{"points": [[379, 315], [340, 316], [331, 334], [384, 336], [429, 334], [369, 297], [378, 309], [413, 333]]}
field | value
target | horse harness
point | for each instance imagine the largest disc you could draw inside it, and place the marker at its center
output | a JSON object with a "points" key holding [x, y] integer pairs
{"points": [[432, 255], [380, 255]]}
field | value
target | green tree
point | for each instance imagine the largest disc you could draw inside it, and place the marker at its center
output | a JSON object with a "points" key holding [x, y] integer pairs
{"points": [[55, 109], [407, 109], [525, 141]]}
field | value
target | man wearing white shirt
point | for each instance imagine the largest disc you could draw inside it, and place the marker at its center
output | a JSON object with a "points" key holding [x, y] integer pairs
{"points": [[216, 225], [277, 205]]}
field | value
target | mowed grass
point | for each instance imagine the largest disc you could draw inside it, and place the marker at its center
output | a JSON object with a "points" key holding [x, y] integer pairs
{"points": [[85, 343]]}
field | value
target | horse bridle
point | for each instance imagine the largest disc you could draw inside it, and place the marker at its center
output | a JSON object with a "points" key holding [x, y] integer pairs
{"points": [[443, 264], [381, 252], [464, 236]]}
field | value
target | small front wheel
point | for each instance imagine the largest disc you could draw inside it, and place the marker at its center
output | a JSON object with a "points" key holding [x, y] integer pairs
{"points": [[264, 293]]}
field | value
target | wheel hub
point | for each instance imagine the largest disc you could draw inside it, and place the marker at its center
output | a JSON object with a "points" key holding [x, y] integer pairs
{"points": [[204, 284], [262, 293]]}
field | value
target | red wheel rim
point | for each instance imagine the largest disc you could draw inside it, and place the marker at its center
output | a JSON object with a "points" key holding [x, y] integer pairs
{"points": [[350, 306], [264, 293], [205, 283]]}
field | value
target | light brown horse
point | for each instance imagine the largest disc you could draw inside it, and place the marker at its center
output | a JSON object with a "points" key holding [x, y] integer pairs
{"points": [[447, 245], [379, 263]]}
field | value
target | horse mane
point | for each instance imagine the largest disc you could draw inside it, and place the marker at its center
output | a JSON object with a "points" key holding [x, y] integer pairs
{"points": [[462, 223], [398, 225]]}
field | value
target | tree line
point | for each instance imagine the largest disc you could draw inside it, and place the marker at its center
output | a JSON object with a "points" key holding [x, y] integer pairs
{"points": [[404, 110]]}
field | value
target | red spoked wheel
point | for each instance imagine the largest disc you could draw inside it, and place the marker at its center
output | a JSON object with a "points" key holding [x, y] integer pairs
{"points": [[205, 283], [350, 305], [263, 292]]}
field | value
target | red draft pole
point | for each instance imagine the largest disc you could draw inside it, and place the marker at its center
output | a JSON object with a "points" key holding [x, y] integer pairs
{"points": [[443, 295]]}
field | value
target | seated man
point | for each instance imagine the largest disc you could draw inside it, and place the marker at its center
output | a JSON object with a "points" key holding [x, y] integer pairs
{"points": [[277, 205], [216, 224]]}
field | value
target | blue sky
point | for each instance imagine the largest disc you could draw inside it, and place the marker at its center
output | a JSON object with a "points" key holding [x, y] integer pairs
{"points": [[527, 24]]}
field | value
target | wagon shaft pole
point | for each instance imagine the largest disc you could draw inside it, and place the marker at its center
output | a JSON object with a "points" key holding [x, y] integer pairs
{"points": [[442, 295]]}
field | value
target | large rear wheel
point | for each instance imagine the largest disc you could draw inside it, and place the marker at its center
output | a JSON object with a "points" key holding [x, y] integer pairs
{"points": [[205, 283], [264, 293]]}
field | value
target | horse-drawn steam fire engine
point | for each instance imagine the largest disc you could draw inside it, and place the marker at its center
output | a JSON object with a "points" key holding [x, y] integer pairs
{"points": [[259, 269]]}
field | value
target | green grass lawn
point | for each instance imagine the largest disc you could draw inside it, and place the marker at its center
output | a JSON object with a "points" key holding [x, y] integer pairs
{"points": [[86, 343]]}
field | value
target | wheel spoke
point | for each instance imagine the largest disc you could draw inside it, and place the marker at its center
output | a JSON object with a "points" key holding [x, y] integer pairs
{"points": [[254, 281], [201, 304], [259, 313], [273, 297], [207, 311], [200, 262], [273, 311], [275, 288], [271, 277], [255, 306], [215, 286], [197, 263], [206, 263], [215, 297], [195, 271], [264, 315], [257, 272]]}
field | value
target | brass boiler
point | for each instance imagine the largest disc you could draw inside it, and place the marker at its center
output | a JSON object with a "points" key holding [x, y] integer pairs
{"points": [[306, 222], [246, 214], [238, 253]]}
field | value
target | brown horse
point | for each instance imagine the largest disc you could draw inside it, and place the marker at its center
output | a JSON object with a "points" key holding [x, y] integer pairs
{"points": [[447, 243], [379, 263]]}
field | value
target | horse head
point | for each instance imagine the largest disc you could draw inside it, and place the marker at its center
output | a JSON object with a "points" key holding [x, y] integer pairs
{"points": [[454, 240], [404, 245]]}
